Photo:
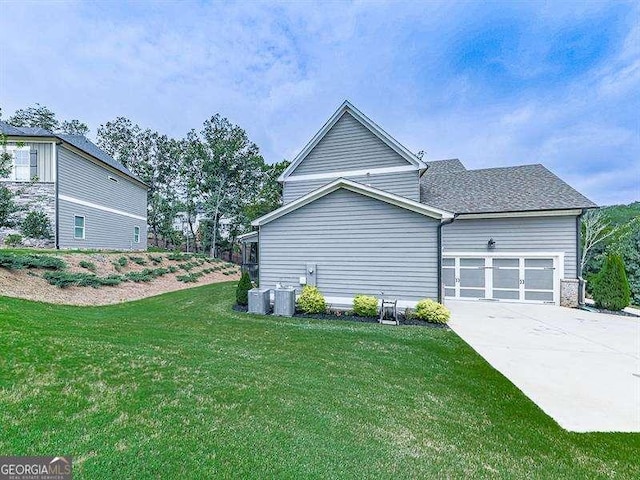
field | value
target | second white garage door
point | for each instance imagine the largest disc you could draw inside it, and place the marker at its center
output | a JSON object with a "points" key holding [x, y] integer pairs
{"points": [[506, 277]]}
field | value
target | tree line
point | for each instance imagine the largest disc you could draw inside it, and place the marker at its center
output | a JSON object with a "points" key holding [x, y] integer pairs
{"points": [[612, 230], [215, 175]]}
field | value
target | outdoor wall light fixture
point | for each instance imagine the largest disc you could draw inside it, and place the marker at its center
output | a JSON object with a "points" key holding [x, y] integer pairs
{"points": [[491, 243]]}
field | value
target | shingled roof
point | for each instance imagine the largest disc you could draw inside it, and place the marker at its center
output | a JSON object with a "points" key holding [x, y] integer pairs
{"points": [[505, 189], [445, 166], [7, 129], [79, 141]]}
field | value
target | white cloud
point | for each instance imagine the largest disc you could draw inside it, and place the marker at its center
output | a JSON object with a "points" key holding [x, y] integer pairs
{"points": [[279, 70]]}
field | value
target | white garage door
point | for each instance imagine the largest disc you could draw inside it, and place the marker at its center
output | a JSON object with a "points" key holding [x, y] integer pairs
{"points": [[507, 278]]}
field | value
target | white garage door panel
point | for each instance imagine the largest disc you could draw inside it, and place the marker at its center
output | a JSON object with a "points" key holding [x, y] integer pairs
{"points": [[509, 278]]}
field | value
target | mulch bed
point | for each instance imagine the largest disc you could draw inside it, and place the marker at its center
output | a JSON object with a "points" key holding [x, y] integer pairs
{"points": [[353, 318]]}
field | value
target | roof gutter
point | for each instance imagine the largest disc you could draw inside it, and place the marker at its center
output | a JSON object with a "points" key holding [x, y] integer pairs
{"points": [[440, 225]]}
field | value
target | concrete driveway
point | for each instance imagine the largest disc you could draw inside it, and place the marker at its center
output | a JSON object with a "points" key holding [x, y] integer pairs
{"points": [[581, 368]]}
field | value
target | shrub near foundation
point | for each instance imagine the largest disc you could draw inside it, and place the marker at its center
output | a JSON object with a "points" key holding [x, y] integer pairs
{"points": [[242, 290], [611, 286], [13, 240], [433, 312], [36, 225], [365, 306], [311, 300]]}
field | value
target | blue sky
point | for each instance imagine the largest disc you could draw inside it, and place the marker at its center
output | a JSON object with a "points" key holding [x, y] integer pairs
{"points": [[493, 84]]}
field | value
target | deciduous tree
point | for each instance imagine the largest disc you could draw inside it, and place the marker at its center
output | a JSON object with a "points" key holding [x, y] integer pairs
{"points": [[231, 168]]}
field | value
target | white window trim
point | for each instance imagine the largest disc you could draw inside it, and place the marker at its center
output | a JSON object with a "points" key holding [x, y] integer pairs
{"points": [[134, 233], [84, 227], [13, 148]]}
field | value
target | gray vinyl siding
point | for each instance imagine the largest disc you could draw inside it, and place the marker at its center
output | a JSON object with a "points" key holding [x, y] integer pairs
{"points": [[103, 230], [349, 145], [405, 184], [360, 245], [44, 151], [524, 234], [86, 181]]}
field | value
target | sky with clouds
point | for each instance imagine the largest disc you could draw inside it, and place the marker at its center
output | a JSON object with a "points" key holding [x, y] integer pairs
{"points": [[493, 84]]}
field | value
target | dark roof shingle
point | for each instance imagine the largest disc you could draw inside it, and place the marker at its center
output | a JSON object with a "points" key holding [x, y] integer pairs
{"points": [[7, 129], [445, 166], [504, 189]]}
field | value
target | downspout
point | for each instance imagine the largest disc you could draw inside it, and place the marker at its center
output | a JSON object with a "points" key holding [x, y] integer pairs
{"points": [[581, 282], [440, 225], [55, 148]]}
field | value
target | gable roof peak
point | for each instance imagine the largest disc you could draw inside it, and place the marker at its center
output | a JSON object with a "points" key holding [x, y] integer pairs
{"points": [[369, 124]]}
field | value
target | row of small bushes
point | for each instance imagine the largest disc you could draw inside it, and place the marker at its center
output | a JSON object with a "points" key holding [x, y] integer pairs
{"points": [[18, 261], [80, 279], [182, 257], [193, 277], [312, 301]]}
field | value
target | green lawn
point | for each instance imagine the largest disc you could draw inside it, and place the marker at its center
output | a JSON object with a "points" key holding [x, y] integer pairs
{"points": [[179, 386]]}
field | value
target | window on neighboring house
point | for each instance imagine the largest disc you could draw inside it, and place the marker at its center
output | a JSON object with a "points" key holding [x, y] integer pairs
{"points": [[136, 234], [78, 227], [20, 164]]}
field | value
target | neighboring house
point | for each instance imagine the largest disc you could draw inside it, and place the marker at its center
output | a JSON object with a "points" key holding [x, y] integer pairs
{"points": [[362, 214], [92, 201]]}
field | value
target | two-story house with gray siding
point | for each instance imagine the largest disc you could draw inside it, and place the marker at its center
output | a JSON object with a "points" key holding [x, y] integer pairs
{"points": [[362, 214], [92, 201]]}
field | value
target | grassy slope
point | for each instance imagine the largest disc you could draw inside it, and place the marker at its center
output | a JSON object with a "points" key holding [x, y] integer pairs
{"points": [[178, 386]]}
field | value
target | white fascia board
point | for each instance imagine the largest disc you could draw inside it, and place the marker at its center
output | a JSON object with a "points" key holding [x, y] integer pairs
{"points": [[26, 139], [350, 173], [246, 236], [364, 120], [528, 213], [371, 192]]}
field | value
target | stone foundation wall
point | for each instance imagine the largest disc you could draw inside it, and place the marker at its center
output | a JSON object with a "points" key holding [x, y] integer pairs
{"points": [[32, 196], [569, 289]]}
